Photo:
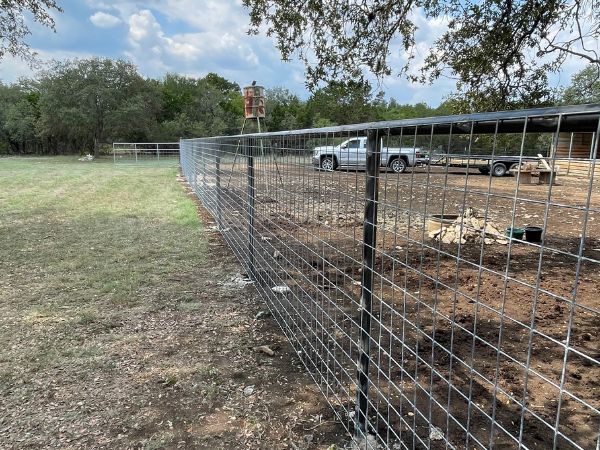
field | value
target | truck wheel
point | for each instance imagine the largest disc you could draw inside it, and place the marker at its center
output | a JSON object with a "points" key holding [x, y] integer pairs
{"points": [[327, 164], [398, 165], [514, 167], [499, 170], [484, 170]]}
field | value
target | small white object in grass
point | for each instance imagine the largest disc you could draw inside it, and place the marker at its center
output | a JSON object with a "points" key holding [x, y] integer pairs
{"points": [[265, 349], [261, 314], [218, 228], [248, 391], [436, 434], [281, 289], [265, 238], [241, 279], [277, 254]]}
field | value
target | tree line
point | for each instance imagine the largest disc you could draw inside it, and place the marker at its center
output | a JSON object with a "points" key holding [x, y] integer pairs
{"points": [[77, 106]]}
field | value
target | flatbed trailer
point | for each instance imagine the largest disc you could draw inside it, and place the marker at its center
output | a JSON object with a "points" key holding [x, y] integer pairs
{"points": [[498, 165]]}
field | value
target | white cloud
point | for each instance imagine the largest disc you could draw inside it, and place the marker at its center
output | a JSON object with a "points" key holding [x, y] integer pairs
{"points": [[194, 38], [13, 68], [142, 26], [104, 20], [154, 50]]}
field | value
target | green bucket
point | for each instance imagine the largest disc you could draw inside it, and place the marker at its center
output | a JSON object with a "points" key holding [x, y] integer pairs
{"points": [[515, 233]]}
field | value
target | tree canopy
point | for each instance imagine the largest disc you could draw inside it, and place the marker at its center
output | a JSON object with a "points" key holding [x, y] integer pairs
{"points": [[503, 47], [584, 88], [73, 106], [14, 27]]}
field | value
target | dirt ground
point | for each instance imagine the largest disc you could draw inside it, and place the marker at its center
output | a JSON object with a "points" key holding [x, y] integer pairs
{"points": [[117, 333], [463, 335]]}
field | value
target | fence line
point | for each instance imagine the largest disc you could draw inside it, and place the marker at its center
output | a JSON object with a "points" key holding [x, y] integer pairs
{"points": [[392, 256], [145, 152]]}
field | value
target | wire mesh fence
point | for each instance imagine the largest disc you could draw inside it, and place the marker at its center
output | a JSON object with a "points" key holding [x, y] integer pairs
{"points": [[435, 303], [146, 153]]}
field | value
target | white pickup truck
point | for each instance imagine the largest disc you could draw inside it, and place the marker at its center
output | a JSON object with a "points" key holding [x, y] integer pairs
{"points": [[352, 154]]}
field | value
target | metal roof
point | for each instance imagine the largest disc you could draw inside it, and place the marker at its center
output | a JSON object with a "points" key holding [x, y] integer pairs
{"points": [[576, 118]]}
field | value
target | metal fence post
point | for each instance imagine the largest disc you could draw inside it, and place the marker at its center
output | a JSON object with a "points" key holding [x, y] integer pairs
{"points": [[203, 155], [251, 192], [194, 170], [157, 153], [218, 183], [369, 242], [181, 162]]}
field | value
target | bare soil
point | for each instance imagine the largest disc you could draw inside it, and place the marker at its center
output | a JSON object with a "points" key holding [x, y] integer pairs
{"points": [[463, 335]]}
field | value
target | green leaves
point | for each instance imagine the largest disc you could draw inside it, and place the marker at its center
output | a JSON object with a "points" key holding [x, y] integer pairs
{"points": [[505, 48], [75, 105], [584, 88], [14, 27]]}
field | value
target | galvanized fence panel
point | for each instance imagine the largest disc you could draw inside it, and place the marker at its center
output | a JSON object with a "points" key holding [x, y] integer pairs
{"points": [[425, 323], [149, 153]]}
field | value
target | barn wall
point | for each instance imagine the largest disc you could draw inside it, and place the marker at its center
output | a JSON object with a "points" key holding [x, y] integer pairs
{"points": [[580, 148]]}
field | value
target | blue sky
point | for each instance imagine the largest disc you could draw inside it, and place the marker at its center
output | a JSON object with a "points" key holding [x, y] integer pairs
{"points": [[194, 37]]}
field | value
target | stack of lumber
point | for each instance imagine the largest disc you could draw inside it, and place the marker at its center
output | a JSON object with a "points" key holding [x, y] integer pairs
{"points": [[469, 228]]}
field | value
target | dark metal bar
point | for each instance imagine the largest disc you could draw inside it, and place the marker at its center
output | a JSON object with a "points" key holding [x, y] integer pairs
{"points": [[576, 118], [249, 150], [369, 241]]}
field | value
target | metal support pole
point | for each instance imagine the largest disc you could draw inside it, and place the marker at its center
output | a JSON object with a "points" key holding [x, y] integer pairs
{"points": [[262, 153], [135, 150], [262, 150], [249, 150], [218, 183], [181, 162], [196, 172], [203, 155], [157, 153], [236, 153], [369, 242]]}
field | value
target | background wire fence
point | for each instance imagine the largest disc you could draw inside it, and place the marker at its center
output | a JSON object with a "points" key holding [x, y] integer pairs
{"points": [[145, 153], [422, 322]]}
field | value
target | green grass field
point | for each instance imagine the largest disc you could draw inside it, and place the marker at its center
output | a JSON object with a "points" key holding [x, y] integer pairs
{"points": [[78, 235], [84, 249], [120, 327]]}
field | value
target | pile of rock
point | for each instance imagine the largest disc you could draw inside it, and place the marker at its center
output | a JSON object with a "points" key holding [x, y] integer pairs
{"points": [[469, 228]]}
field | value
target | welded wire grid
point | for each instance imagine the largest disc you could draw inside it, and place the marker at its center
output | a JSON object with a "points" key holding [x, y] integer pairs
{"points": [[148, 153], [422, 326]]}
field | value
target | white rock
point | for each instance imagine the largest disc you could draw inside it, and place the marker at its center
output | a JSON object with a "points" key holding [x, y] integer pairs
{"points": [[242, 280], [281, 289], [436, 434]]}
